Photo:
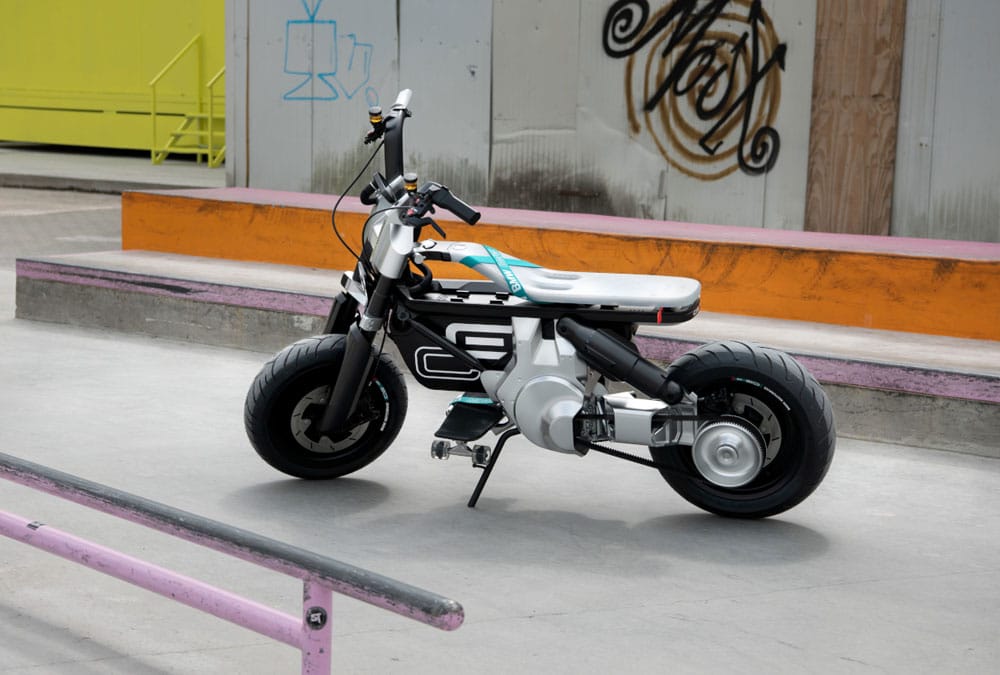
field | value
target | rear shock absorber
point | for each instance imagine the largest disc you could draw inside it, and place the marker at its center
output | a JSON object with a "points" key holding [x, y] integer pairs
{"points": [[612, 358]]}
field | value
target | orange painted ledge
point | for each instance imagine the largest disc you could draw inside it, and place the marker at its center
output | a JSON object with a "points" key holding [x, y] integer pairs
{"points": [[917, 285]]}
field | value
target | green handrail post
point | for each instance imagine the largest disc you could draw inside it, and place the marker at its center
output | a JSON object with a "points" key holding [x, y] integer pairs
{"points": [[213, 160], [196, 40]]}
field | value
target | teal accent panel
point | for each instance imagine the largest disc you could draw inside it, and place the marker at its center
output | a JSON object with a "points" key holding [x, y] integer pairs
{"points": [[473, 260], [513, 284], [504, 263], [475, 400]]}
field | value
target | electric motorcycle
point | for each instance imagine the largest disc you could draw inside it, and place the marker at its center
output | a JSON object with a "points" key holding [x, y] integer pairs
{"points": [[737, 429]]}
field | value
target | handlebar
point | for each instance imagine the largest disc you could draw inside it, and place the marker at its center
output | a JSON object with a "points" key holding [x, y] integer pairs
{"points": [[443, 197], [368, 194], [403, 100], [394, 135], [430, 194], [433, 194]]}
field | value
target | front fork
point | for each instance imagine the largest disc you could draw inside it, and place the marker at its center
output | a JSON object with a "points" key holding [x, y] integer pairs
{"points": [[358, 355]]}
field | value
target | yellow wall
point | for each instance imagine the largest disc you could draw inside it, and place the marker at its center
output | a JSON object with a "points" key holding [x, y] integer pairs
{"points": [[77, 72]]}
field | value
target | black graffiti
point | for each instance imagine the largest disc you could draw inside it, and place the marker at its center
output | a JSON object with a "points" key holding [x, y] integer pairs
{"points": [[626, 31]]}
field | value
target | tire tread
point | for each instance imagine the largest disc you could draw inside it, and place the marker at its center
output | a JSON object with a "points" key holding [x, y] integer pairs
{"points": [[749, 359], [305, 354]]}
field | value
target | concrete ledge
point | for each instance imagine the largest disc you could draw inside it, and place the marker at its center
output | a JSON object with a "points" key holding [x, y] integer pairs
{"points": [[928, 406], [161, 296], [915, 285], [927, 391], [54, 167], [79, 184]]}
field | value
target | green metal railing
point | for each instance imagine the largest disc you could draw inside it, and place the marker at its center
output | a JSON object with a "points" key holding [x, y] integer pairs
{"points": [[215, 158], [204, 129]]}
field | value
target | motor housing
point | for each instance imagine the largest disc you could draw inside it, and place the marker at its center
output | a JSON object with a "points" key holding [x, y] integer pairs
{"points": [[545, 408], [541, 388]]}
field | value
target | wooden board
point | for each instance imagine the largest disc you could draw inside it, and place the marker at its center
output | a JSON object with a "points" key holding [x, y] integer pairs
{"points": [[855, 107]]}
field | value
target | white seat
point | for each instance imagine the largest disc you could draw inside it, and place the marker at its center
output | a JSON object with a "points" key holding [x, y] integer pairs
{"points": [[598, 288], [541, 285]]}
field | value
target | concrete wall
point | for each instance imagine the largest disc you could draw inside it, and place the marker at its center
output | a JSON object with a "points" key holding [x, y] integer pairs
{"points": [[542, 105], [521, 103], [570, 131], [303, 78], [948, 151], [313, 68]]}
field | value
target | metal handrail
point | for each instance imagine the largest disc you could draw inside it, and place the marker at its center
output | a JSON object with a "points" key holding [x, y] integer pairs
{"points": [[321, 576], [213, 161], [173, 61], [211, 83], [196, 40]]}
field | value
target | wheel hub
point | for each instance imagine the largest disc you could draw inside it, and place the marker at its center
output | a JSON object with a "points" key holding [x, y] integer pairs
{"points": [[728, 453], [306, 414]]}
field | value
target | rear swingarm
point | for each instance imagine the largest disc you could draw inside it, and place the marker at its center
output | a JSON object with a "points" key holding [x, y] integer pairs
{"points": [[494, 455]]}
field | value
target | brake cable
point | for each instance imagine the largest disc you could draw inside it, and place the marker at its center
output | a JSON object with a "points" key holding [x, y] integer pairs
{"points": [[333, 214]]}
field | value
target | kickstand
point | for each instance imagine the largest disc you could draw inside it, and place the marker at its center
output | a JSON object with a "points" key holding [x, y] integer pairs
{"points": [[494, 456]]}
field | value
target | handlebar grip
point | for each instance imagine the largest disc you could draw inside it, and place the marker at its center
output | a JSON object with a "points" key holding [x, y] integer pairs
{"points": [[403, 100], [445, 199], [368, 195]]}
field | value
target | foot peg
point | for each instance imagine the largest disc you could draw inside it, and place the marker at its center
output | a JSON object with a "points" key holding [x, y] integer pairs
{"points": [[469, 418], [480, 454], [482, 457]]}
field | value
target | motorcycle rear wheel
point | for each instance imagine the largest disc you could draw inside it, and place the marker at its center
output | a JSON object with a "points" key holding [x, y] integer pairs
{"points": [[288, 396], [779, 402]]}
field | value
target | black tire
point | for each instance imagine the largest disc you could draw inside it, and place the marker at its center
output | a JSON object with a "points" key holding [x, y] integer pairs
{"points": [[291, 389], [786, 406]]}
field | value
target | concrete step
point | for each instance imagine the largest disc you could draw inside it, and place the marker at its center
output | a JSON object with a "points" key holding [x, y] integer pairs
{"points": [[915, 389]]}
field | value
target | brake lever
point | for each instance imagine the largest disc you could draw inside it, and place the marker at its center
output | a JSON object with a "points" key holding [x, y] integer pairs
{"points": [[375, 134], [414, 221], [431, 194]]}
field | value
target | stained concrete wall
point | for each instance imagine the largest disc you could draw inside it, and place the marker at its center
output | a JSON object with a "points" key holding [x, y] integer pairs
{"points": [[303, 74], [570, 131], [948, 151], [543, 105], [522, 103]]}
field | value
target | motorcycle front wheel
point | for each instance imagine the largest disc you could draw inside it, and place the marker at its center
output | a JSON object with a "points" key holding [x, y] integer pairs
{"points": [[289, 395], [772, 440]]}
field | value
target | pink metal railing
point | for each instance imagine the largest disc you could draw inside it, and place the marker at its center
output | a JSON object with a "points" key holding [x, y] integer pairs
{"points": [[321, 576]]}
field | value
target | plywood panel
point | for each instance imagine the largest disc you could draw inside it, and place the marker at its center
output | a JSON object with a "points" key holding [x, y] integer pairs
{"points": [[855, 108]]}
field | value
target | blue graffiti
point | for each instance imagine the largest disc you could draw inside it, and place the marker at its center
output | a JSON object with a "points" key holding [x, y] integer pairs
{"points": [[331, 64]]}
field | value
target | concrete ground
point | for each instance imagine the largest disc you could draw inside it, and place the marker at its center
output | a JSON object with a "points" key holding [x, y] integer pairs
{"points": [[568, 565]]}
